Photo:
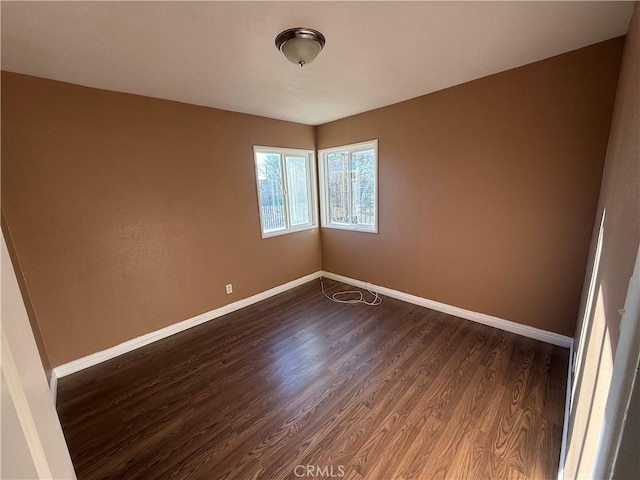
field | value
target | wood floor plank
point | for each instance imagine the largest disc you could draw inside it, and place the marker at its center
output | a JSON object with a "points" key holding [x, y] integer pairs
{"points": [[393, 391], [512, 439], [362, 388], [357, 385], [419, 450], [470, 459], [461, 426]]}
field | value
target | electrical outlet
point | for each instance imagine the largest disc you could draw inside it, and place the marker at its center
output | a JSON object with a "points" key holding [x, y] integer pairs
{"points": [[229, 288]]}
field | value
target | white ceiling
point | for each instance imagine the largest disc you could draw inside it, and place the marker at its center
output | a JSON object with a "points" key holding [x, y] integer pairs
{"points": [[222, 54]]}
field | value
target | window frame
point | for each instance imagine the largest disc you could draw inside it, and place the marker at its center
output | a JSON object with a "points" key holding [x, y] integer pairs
{"points": [[324, 202], [311, 188]]}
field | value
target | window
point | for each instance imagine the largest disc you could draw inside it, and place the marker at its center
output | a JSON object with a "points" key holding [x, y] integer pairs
{"points": [[349, 186], [286, 189]]}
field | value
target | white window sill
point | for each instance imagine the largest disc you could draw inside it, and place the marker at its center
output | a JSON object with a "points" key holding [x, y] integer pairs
{"points": [[353, 228], [284, 231]]}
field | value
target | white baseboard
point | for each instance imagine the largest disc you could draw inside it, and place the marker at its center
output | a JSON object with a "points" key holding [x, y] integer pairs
{"points": [[513, 327], [130, 345]]}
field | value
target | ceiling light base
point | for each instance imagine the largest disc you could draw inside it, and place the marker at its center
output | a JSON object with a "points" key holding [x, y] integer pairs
{"points": [[300, 45]]}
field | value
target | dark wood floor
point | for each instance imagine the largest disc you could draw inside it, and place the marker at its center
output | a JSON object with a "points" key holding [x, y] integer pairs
{"points": [[393, 391]]}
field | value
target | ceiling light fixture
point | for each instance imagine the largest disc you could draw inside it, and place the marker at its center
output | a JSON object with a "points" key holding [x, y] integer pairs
{"points": [[300, 45]]}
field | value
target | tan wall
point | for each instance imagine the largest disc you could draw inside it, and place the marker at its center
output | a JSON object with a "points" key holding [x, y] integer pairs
{"points": [[598, 333], [121, 207], [129, 213], [487, 190]]}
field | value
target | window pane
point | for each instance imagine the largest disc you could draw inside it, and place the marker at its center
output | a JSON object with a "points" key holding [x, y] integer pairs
{"points": [[338, 187], [363, 187], [297, 190], [270, 190]]}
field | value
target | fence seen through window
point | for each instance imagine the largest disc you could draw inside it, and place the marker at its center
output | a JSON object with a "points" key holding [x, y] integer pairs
{"points": [[285, 189]]}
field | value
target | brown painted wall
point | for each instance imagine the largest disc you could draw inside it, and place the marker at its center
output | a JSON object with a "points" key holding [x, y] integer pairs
{"points": [[488, 190], [129, 213]]}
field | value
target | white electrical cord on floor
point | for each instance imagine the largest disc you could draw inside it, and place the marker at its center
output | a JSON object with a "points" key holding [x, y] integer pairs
{"points": [[377, 300]]}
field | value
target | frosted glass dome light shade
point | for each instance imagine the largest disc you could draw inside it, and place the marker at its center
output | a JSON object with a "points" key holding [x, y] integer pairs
{"points": [[300, 45]]}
